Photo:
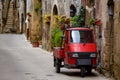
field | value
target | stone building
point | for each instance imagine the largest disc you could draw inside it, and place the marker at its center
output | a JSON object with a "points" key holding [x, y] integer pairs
{"points": [[115, 55], [34, 20], [29, 19], [57, 7], [107, 34], [1, 5]]}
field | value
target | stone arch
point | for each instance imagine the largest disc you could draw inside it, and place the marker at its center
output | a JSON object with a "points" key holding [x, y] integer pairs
{"points": [[55, 10], [53, 21], [72, 10]]}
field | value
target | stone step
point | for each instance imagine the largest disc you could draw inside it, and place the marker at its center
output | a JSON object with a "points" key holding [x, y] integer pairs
{"points": [[9, 25], [10, 21]]}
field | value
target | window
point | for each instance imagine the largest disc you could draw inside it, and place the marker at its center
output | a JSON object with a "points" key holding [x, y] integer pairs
{"points": [[81, 36]]}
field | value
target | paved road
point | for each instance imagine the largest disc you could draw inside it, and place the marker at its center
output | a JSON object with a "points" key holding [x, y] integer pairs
{"points": [[19, 61]]}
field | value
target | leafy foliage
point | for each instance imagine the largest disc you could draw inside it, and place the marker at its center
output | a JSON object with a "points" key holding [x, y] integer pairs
{"points": [[91, 21], [79, 20], [56, 37], [47, 18]]}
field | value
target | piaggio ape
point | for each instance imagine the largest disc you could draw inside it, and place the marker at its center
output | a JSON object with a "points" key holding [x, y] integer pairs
{"points": [[78, 51]]}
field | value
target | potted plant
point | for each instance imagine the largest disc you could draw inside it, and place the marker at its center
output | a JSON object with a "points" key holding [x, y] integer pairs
{"points": [[35, 43], [56, 37], [78, 20], [60, 20], [47, 18], [67, 21], [91, 22], [39, 39], [74, 21], [98, 22]]}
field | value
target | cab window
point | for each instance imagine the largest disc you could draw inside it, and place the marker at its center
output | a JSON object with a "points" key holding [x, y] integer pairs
{"points": [[81, 36]]}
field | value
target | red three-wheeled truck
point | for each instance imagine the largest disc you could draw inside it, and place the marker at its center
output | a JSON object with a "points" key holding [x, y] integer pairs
{"points": [[78, 50]]}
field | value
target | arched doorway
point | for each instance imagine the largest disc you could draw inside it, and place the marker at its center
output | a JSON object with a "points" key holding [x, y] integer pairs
{"points": [[72, 10], [53, 25], [55, 10]]}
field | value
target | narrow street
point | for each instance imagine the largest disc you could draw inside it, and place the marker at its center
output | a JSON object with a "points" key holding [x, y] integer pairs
{"points": [[20, 61]]}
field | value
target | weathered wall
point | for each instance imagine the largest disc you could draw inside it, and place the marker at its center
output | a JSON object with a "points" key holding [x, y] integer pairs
{"points": [[109, 43], [116, 67], [63, 8]]}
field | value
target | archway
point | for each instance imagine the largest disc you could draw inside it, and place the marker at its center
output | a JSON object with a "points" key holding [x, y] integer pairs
{"points": [[55, 13], [53, 25], [55, 10], [72, 10]]}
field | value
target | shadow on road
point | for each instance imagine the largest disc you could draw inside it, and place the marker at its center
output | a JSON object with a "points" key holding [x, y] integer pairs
{"points": [[77, 74]]}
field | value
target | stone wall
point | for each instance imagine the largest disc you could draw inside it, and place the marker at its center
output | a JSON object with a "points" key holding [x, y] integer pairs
{"points": [[116, 53], [110, 48], [63, 8]]}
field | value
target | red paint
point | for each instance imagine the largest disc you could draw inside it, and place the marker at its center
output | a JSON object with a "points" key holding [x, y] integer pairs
{"points": [[71, 47]]}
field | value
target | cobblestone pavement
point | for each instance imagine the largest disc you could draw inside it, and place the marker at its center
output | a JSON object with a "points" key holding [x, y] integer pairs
{"points": [[20, 61]]}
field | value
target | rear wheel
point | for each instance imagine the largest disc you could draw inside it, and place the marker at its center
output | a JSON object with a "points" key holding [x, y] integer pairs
{"points": [[83, 71], [57, 65], [57, 68]]}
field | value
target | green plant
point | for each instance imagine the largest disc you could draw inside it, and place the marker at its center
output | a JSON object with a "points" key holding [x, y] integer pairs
{"points": [[91, 21], [37, 6], [81, 16], [34, 41], [56, 37], [74, 21], [78, 20], [46, 18], [60, 19]]}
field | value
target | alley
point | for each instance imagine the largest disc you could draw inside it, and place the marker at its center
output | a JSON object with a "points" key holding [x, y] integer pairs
{"points": [[20, 61]]}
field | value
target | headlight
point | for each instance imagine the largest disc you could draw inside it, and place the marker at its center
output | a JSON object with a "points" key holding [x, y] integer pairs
{"points": [[93, 55], [75, 55]]}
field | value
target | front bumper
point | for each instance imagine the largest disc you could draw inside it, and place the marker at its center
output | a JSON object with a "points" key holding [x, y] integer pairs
{"points": [[81, 62]]}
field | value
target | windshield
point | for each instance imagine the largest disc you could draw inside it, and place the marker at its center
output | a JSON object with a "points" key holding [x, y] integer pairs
{"points": [[81, 36]]}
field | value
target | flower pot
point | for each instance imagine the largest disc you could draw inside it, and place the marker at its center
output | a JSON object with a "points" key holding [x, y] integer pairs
{"points": [[40, 42], [98, 22], [35, 44], [62, 26], [67, 21]]}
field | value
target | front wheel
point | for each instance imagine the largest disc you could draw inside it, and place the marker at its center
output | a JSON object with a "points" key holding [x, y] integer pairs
{"points": [[89, 70], [83, 71]]}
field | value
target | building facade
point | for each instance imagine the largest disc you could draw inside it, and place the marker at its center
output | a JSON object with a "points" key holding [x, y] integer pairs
{"points": [[107, 33], [29, 17], [56, 7]]}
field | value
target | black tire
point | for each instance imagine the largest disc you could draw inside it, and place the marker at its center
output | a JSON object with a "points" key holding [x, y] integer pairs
{"points": [[54, 63], [89, 71], [57, 66], [83, 71]]}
